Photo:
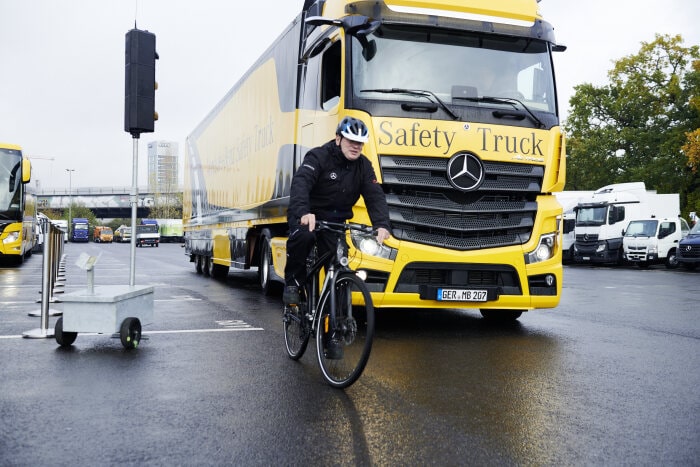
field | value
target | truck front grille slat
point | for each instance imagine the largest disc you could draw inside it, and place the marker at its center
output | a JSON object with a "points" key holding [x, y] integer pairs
{"points": [[425, 208]]}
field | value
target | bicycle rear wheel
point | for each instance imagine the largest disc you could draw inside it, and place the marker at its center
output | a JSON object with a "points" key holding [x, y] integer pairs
{"points": [[343, 350], [296, 330]]}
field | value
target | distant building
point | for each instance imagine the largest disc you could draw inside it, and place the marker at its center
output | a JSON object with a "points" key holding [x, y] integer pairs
{"points": [[163, 167]]}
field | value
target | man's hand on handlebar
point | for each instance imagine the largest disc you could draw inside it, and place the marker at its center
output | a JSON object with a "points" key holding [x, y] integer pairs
{"points": [[310, 220], [382, 234]]}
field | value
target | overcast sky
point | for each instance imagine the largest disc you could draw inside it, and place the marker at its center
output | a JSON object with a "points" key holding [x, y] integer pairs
{"points": [[62, 68]]}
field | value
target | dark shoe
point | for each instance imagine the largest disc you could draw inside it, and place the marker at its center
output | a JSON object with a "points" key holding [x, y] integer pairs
{"points": [[333, 350], [291, 295]]}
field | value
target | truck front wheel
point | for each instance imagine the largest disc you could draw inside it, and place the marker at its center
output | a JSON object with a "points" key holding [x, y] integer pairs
{"points": [[671, 260], [268, 285]]}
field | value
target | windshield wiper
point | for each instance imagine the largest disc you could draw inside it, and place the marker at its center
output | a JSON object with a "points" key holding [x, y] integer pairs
{"points": [[504, 100], [419, 93]]}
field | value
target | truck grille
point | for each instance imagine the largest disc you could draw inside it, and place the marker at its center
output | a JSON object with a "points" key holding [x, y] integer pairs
{"points": [[587, 243], [693, 252], [425, 208]]}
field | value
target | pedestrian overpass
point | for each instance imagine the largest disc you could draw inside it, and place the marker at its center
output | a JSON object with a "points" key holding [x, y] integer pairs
{"points": [[105, 202]]}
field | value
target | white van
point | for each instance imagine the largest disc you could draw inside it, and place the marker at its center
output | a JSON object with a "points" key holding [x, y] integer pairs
{"points": [[652, 241]]}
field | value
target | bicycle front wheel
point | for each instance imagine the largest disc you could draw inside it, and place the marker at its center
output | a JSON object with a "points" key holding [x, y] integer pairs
{"points": [[343, 348], [296, 331]]}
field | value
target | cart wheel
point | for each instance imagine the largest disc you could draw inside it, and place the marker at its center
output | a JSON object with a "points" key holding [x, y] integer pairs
{"points": [[130, 333], [64, 339]]}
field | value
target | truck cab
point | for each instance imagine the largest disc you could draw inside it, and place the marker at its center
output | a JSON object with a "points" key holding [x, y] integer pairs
{"points": [[79, 230], [653, 241], [122, 234]]}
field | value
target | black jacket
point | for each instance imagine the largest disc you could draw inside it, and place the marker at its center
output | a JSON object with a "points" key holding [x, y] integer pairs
{"points": [[328, 185]]}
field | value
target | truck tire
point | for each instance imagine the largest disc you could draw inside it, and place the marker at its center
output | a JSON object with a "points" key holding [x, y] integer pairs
{"points": [[671, 259], [268, 286], [217, 271], [206, 262]]}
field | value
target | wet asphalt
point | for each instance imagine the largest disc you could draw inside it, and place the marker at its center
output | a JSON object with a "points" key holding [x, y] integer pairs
{"points": [[609, 377]]}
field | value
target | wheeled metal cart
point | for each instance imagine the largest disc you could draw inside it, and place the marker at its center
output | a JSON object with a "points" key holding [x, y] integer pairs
{"points": [[106, 309]]}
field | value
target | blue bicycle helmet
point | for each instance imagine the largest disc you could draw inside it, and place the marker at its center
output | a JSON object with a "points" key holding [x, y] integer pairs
{"points": [[353, 129]]}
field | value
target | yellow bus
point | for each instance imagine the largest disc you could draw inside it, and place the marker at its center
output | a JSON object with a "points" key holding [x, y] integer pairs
{"points": [[460, 100], [17, 206]]}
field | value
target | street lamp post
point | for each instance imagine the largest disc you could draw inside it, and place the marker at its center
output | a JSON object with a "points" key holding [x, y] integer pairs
{"points": [[70, 201]]}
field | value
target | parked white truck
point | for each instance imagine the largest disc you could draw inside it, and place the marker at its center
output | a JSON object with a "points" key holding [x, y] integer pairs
{"points": [[569, 200], [602, 219], [653, 241]]}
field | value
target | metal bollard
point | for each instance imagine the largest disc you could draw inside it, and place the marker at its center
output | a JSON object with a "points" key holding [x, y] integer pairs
{"points": [[48, 275]]}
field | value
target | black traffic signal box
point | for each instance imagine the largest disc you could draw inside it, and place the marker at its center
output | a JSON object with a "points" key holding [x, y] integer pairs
{"points": [[139, 102]]}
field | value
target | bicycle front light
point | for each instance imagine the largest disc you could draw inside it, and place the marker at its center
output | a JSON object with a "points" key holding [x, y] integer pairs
{"points": [[368, 245], [544, 250]]}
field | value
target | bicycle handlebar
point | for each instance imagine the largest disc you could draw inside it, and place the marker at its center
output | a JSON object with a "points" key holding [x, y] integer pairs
{"points": [[341, 227]]}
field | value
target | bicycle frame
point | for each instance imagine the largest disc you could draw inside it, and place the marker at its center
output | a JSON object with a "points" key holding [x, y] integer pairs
{"points": [[343, 344], [313, 270]]}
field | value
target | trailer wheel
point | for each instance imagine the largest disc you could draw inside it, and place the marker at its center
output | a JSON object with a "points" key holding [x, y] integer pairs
{"points": [[217, 271], [64, 338], [130, 333], [206, 263], [198, 263]]}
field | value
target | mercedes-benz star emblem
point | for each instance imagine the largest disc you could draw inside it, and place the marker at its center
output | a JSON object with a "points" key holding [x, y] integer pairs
{"points": [[465, 172]]}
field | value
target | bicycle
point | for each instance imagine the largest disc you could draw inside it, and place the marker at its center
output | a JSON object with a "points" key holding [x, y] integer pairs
{"points": [[329, 315]]}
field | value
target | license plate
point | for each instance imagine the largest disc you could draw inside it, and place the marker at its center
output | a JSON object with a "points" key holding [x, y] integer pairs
{"points": [[461, 295]]}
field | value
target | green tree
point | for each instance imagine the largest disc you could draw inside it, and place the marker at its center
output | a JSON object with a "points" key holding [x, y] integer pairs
{"points": [[635, 127]]}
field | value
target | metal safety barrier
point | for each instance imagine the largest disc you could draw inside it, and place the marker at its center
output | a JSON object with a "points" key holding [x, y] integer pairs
{"points": [[52, 277]]}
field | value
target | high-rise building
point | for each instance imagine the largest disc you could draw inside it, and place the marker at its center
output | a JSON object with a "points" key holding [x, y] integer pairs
{"points": [[163, 163]]}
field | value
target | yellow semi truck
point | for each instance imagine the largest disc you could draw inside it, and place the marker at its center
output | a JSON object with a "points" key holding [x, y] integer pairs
{"points": [[460, 100]]}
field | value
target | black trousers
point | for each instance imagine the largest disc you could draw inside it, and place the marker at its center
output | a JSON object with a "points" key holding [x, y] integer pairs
{"points": [[299, 245]]}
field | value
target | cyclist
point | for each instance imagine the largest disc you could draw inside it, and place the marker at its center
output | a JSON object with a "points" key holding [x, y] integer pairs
{"points": [[326, 186]]}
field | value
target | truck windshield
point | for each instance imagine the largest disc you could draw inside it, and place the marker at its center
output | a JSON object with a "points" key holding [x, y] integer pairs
{"points": [[149, 228], [641, 229], [80, 226], [458, 68], [10, 184], [591, 215]]}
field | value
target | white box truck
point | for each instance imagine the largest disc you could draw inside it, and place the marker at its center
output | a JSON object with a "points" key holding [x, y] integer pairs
{"points": [[602, 219], [569, 200], [653, 241]]}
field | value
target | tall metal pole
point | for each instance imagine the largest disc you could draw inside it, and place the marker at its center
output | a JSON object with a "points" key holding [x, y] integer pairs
{"points": [[134, 203], [70, 201]]}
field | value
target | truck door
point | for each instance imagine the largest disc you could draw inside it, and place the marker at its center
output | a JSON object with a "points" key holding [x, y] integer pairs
{"points": [[320, 95], [668, 238]]}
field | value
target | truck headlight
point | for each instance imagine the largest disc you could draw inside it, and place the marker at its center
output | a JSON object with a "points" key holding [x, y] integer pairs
{"points": [[368, 245], [11, 237], [544, 250], [601, 248]]}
